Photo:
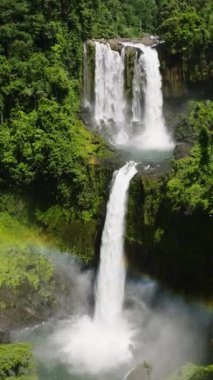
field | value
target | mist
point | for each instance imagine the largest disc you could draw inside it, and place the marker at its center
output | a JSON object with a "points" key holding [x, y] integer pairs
{"points": [[157, 327]]}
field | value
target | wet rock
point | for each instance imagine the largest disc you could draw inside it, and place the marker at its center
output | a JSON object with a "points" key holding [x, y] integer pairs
{"points": [[138, 373], [182, 150], [117, 43], [4, 336]]}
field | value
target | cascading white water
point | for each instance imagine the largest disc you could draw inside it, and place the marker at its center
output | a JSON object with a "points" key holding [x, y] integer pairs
{"points": [[111, 277], [147, 83], [111, 109], [98, 344], [110, 104], [109, 84], [117, 341], [155, 135]]}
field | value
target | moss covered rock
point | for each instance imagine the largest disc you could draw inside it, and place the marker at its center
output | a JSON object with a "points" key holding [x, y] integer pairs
{"points": [[129, 70], [172, 244], [89, 71]]}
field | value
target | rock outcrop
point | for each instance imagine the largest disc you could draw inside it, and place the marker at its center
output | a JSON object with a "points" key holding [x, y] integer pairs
{"points": [[117, 43]]}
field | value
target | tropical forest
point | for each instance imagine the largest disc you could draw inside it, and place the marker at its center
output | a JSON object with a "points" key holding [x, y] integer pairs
{"points": [[106, 190]]}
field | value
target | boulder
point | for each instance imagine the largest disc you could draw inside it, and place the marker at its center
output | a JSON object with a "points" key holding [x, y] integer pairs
{"points": [[182, 150]]}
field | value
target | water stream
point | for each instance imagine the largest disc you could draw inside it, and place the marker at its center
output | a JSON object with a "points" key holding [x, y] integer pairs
{"points": [[141, 124], [110, 101], [155, 135], [134, 321], [99, 343], [112, 271], [131, 322]]}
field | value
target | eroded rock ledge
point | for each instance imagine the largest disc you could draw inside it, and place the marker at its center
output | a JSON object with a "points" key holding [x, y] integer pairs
{"points": [[117, 43]]}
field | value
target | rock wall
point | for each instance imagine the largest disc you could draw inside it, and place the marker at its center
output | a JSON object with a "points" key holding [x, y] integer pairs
{"points": [[181, 76], [170, 245], [89, 61], [129, 70]]}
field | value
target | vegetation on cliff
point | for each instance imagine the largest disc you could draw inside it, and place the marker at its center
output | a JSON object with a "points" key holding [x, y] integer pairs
{"points": [[191, 185], [27, 284], [16, 362], [44, 148], [46, 154], [169, 220], [50, 172], [49, 162], [187, 28], [193, 372]]}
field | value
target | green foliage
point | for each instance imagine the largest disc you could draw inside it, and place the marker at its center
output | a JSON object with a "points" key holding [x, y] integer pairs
{"points": [[16, 362], [24, 268], [45, 150], [193, 372], [71, 231], [24, 271], [145, 12], [187, 28], [153, 188], [191, 185], [112, 18], [184, 373], [198, 120], [169, 220], [33, 377], [135, 212]]}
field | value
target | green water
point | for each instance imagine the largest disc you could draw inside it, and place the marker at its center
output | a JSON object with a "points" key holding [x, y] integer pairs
{"points": [[60, 373], [145, 156], [57, 373]]}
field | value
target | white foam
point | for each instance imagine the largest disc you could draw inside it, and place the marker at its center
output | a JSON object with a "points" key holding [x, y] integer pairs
{"points": [[146, 128]]}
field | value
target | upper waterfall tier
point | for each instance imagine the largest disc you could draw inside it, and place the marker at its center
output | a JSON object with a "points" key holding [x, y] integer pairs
{"points": [[122, 90], [117, 43]]}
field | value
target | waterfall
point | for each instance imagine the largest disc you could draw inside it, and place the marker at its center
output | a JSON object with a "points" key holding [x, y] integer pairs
{"points": [[111, 277], [97, 344], [145, 128], [110, 102], [155, 135]]}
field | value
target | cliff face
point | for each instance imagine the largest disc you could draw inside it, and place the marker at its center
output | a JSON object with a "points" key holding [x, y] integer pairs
{"points": [[180, 75], [172, 245], [117, 43], [173, 75]]}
